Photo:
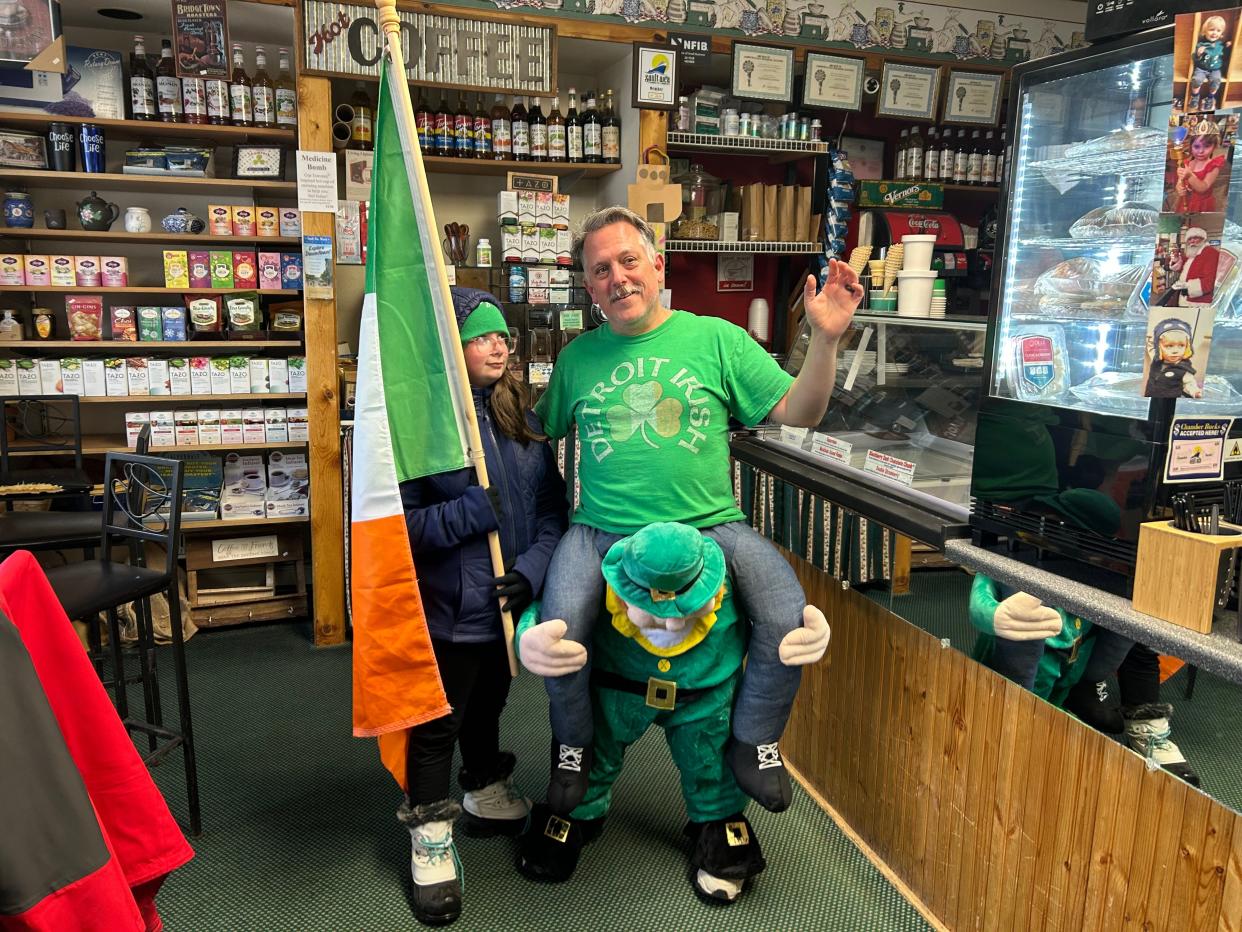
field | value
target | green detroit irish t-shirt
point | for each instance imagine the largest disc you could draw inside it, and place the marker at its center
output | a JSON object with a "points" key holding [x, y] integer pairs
{"points": [[653, 418]]}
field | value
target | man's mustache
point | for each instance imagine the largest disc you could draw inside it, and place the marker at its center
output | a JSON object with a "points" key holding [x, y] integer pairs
{"points": [[622, 293]]}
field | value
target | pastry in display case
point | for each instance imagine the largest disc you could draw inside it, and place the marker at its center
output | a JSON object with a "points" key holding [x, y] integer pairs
{"points": [[1074, 449]]}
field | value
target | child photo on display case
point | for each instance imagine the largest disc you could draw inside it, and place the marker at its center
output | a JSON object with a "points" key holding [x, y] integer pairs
{"points": [[1200, 161], [1210, 59], [1203, 48], [1170, 373]]}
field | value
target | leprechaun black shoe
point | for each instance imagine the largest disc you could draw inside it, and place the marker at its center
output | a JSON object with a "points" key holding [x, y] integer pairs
{"points": [[726, 856], [551, 846], [760, 772], [568, 783]]}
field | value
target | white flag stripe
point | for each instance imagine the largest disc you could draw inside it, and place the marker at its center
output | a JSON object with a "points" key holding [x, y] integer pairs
{"points": [[375, 493]]}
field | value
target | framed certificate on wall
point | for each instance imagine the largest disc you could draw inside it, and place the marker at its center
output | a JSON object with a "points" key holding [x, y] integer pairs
{"points": [[833, 81], [972, 98], [908, 91], [763, 72]]}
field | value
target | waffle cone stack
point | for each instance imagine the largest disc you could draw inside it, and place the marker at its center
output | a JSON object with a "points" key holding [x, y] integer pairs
{"points": [[892, 265], [858, 259]]}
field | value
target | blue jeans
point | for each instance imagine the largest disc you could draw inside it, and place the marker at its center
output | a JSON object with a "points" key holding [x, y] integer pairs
{"points": [[768, 594], [1019, 660]]}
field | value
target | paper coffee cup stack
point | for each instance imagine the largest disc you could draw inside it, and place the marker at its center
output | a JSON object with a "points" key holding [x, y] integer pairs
{"points": [[915, 281]]}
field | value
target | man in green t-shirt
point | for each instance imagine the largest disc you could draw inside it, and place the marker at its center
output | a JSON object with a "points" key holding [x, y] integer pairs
{"points": [[651, 393]]}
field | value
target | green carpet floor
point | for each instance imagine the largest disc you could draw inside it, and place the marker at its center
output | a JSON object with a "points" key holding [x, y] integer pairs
{"points": [[1205, 727], [299, 832]]}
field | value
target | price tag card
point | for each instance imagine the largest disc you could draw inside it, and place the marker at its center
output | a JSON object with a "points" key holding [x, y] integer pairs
{"points": [[831, 448], [889, 467], [793, 435]]}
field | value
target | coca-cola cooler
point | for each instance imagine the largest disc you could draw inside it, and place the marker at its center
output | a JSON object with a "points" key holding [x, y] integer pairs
{"points": [[967, 272]]}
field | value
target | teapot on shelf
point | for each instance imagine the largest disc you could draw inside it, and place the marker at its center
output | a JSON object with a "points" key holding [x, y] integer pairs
{"points": [[182, 221], [94, 213]]}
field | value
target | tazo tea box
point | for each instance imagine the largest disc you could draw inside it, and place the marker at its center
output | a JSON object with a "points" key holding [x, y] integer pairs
{"points": [[8, 377], [157, 376], [209, 427], [253, 425], [150, 324], [136, 376], [230, 426], [200, 268], [116, 377], [243, 220], [530, 243], [221, 268], [86, 271], [547, 245], [275, 425], [560, 211], [200, 375], [13, 269], [507, 207], [185, 426], [62, 272], [221, 380], [277, 375], [163, 429], [297, 373], [543, 208], [299, 425], [239, 375], [71, 377], [38, 270], [179, 376], [269, 271], [219, 219], [135, 421], [290, 221], [564, 246], [114, 271], [258, 377], [245, 275], [267, 221], [49, 377], [93, 384], [176, 268], [511, 244], [526, 207], [28, 380]]}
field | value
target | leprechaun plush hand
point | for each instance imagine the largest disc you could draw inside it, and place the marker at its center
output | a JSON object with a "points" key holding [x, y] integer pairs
{"points": [[546, 652], [807, 644], [1022, 617]]}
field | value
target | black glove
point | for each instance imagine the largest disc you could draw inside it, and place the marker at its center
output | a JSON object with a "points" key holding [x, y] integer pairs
{"points": [[493, 496], [517, 589]]}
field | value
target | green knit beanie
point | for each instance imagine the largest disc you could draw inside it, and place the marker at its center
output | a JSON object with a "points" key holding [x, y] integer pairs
{"points": [[486, 318]]}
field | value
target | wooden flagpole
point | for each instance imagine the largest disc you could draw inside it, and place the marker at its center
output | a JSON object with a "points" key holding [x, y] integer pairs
{"points": [[390, 23]]}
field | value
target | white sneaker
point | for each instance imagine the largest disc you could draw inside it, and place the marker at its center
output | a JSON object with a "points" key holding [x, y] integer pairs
{"points": [[495, 809]]}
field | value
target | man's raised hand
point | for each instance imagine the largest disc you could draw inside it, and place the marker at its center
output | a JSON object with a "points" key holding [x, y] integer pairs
{"points": [[831, 309]]}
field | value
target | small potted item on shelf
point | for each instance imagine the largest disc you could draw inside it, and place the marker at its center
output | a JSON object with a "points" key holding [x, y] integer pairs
{"points": [[182, 221], [94, 213], [137, 220], [18, 210]]}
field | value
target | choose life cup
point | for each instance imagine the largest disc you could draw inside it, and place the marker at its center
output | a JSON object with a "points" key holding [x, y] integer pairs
{"points": [[918, 252]]}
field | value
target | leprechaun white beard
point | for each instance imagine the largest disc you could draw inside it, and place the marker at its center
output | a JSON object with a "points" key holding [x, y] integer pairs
{"points": [[665, 632]]}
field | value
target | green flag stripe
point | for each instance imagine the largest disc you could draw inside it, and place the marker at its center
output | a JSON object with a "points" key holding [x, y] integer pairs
{"points": [[419, 385]]}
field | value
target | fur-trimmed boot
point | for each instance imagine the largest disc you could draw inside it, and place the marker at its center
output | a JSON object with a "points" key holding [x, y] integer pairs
{"points": [[761, 774], [434, 864], [551, 846], [492, 806], [1096, 706], [1147, 732], [726, 856]]}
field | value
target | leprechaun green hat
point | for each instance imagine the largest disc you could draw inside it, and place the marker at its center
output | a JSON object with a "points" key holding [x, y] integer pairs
{"points": [[667, 569]]}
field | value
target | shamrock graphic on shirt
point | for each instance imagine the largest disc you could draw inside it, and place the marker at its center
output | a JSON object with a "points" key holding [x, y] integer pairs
{"points": [[643, 407]]}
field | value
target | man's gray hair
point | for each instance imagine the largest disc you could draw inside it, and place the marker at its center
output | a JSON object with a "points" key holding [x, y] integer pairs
{"points": [[607, 216]]}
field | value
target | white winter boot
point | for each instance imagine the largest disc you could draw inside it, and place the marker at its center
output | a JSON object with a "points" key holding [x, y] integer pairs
{"points": [[493, 806], [1147, 732], [434, 864]]}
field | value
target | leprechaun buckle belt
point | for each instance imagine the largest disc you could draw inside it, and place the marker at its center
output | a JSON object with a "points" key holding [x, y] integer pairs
{"points": [[659, 694]]}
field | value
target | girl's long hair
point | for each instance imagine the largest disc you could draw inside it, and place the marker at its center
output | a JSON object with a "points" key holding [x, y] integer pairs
{"points": [[509, 404]]}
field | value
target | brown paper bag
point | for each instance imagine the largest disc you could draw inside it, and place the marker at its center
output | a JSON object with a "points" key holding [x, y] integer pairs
{"points": [[806, 232], [771, 215], [813, 231], [752, 213], [787, 213]]}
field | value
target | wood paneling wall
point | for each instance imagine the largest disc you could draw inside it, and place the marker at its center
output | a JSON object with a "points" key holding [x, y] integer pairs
{"points": [[998, 810]]}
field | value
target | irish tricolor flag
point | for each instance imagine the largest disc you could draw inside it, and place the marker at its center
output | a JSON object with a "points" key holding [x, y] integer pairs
{"points": [[408, 423]]}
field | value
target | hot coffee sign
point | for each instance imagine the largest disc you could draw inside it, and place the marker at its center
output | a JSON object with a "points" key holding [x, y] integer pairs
{"points": [[345, 39]]}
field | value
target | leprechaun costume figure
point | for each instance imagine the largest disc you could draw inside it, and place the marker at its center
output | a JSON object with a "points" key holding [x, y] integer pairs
{"points": [[670, 654]]}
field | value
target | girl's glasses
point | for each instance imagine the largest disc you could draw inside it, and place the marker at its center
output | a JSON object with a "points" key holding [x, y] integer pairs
{"points": [[488, 340]]}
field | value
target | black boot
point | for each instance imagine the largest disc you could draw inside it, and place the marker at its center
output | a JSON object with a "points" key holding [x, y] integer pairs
{"points": [[568, 784], [726, 856], [760, 772], [1095, 706], [434, 865], [550, 848], [492, 806]]}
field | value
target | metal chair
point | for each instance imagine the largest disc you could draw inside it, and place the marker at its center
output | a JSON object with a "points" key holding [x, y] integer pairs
{"points": [[141, 504]]}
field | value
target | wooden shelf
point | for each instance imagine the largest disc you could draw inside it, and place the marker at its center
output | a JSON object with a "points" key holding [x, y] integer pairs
{"points": [[969, 188], [192, 399], [120, 236], [153, 129], [94, 444], [219, 524], [138, 289], [715, 246], [115, 181], [445, 164], [179, 347]]}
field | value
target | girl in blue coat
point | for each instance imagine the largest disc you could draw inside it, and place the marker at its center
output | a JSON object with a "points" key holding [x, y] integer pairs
{"points": [[449, 517]]}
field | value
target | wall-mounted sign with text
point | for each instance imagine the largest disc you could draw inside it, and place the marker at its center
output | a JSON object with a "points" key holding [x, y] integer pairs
{"points": [[475, 54]]}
